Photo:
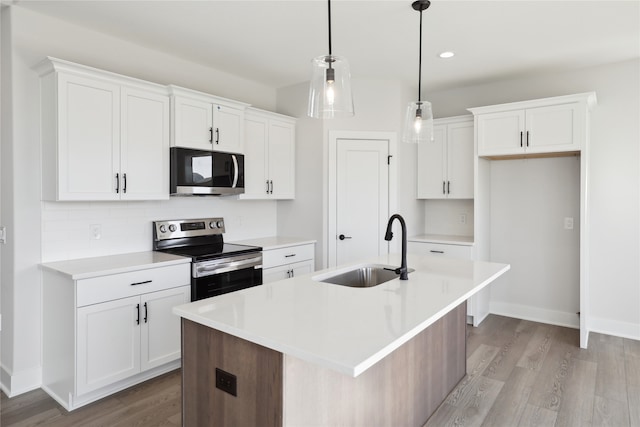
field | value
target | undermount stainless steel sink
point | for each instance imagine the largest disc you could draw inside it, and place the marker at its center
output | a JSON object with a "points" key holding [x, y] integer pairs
{"points": [[363, 277]]}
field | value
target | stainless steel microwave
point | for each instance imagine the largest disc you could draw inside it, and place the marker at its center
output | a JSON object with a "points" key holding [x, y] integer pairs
{"points": [[201, 172]]}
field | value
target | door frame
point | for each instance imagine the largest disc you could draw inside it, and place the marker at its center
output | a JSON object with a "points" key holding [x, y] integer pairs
{"points": [[330, 190]]}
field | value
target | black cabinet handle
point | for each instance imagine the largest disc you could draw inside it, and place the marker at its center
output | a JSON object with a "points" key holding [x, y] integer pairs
{"points": [[436, 252], [117, 183], [211, 135], [289, 256], [443, 183], [146, 312], [520, 139], [217, 135], [124, 177], [138, 311], [448, 187], [141, 283], [527, 138], [271, 183], [342, 237]]}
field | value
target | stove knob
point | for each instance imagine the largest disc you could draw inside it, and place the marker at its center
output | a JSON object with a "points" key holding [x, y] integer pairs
{"points": [[220, 224], [163, 228], [172, 228], [212, 224]]}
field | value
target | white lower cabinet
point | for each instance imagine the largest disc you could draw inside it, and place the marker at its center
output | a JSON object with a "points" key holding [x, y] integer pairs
{"points": [[121, 338], [106, 333], [286, 262], [477, 305]]}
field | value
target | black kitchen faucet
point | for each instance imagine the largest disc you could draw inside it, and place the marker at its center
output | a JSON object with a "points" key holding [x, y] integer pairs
{"points": [[402, 271]]}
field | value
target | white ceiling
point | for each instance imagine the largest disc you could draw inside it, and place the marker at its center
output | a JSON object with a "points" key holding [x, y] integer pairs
{"points": [[273, 41]]}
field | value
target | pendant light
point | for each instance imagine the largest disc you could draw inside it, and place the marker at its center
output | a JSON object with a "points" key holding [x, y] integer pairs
{"points": [[330, 86], [418, 123]]}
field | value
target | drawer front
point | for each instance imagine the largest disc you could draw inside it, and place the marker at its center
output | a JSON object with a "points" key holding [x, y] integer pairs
{"points": [[439, 249], [288, 255], [115, 286]]}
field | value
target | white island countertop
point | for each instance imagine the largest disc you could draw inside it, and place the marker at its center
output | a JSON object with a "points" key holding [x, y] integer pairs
{"points": [[343, 328]]}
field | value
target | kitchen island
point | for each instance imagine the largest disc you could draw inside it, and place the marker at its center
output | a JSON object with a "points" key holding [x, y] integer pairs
{"points": [[304, 352]]}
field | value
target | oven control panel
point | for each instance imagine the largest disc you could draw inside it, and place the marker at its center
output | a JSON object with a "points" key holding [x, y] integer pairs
{"points": [[181, 228]]}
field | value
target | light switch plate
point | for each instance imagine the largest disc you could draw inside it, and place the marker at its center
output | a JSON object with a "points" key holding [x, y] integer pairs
{"points": [[568, 223]]}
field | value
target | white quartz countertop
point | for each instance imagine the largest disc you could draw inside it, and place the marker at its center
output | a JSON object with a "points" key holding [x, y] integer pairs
{"points": [[342, 328], [275, 242], [443, 238], [85, 268]]}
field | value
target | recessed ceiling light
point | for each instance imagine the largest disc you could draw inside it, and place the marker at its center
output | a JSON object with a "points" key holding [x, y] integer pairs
{"points": [[445, 55]]}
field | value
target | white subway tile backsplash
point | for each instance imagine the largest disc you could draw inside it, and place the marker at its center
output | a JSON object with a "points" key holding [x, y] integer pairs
{"points": [[126, 226]]}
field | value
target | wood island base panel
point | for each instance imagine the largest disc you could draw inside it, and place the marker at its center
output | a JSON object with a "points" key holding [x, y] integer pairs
{"points": [[273, 389]]}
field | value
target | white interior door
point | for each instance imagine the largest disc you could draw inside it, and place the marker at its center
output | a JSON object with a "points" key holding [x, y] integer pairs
{"points": [[362, 199]]}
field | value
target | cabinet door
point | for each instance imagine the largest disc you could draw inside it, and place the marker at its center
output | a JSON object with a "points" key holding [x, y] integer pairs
{"points": [[460, 161], [160, 332], [193, 123], [88, 139], [555, 128], [108, 343], [255, 160], [501, 133], [282, 159], [432, 157], [300, 268], [274, 274], [144, 145], [228, 125]]}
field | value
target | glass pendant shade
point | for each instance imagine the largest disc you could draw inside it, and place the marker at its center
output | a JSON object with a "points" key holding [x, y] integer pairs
{"points": [[330, 88], [418, 122]]}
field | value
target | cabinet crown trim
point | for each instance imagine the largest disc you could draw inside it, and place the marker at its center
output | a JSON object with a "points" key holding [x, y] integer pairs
{"points": [[206, 97], [257, 112], [50, 65], [589, 98]]}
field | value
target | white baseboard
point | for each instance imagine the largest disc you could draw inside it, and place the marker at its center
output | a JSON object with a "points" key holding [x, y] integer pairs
{"points": [[15, 383], [536, 314], [615, 328]]}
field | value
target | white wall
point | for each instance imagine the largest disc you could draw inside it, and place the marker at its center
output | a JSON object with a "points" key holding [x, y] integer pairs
{"points": [[443, 217], [614, 177], [379, 106], [529, 200], [46, 231]]}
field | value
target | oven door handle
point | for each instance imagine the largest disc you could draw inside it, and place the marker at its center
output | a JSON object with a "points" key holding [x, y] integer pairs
{"points": [[205, 270]]}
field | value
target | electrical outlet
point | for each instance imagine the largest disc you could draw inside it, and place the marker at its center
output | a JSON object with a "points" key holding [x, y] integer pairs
{"points": [[568, 223], [463, 218], [226, 382], [95, 231]]}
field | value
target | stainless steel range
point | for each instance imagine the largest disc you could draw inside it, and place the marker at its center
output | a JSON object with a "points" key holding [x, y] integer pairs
{"points": [[216, 267]]}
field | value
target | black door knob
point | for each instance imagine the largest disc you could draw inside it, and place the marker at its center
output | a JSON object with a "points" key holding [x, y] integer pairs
{"points": [[342, 237]]}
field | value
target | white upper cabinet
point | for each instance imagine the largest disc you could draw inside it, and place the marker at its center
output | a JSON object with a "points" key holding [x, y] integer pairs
{"points": [[269, 155], [550, 125], [206, 122], [104, 136], [445, 165]]}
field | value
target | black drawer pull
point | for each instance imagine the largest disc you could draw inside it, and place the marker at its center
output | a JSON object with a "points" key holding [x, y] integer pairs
{"points": [[146, 312], [437, 252], [289, 256], [141, 283], [138, 311]]}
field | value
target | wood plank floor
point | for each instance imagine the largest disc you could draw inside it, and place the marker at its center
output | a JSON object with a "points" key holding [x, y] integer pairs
{"points": [[519, 373]]}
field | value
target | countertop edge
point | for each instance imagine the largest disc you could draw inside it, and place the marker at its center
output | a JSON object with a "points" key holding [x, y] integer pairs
{"points": [[83, 268], [443, 239], [275, 242]]}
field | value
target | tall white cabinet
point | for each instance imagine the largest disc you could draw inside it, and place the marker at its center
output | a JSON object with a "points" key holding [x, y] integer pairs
{"points": [[269, 155], [549, 127], [104, 136]]}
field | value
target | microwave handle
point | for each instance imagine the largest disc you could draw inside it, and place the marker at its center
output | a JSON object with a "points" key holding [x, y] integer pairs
{"points": [[235, 171]]}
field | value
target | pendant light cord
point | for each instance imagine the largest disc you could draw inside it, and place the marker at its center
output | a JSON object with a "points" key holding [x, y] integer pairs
{"points": [[420, 61], [329, 4]]}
